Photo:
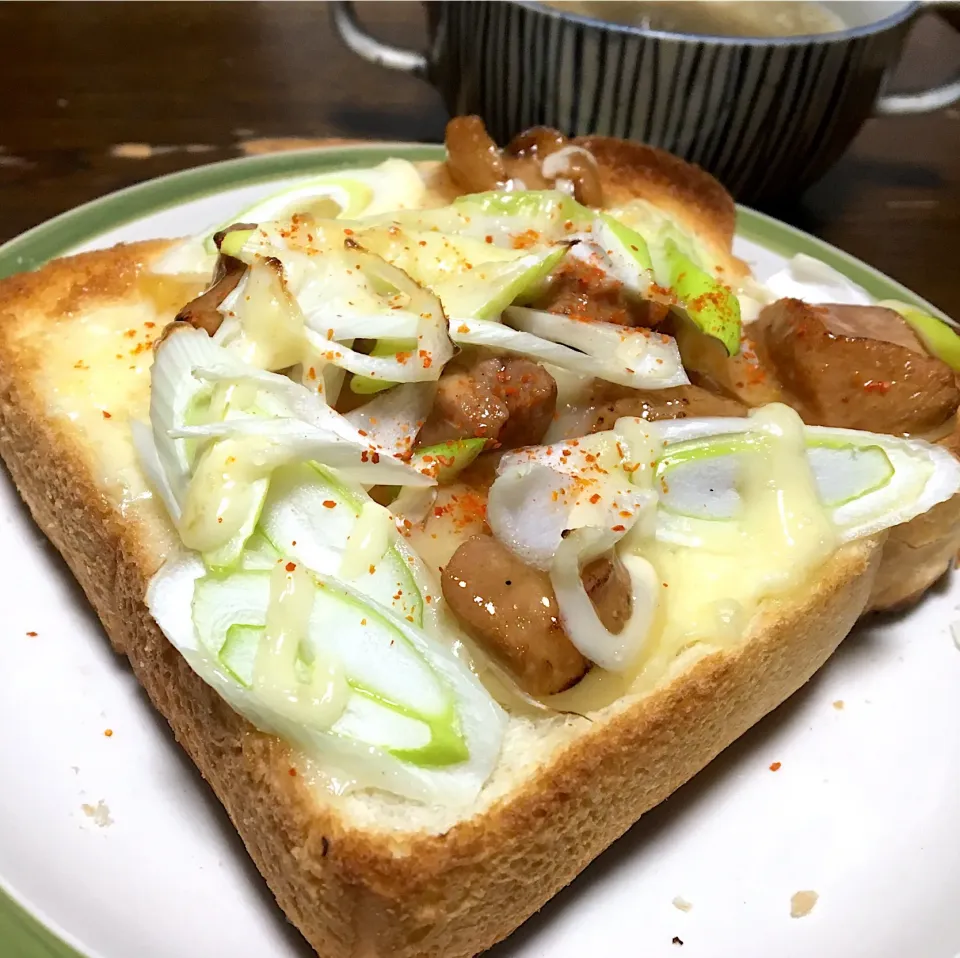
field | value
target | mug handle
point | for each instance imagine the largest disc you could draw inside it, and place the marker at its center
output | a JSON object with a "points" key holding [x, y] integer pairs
{"points": [[360, 42], [935, 98]]}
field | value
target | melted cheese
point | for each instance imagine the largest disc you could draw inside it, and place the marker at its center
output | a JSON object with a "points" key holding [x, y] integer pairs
{"points": [[225, 492], [708, 595], [458, 513], [318, 702], [368, 540], [95, 372]]}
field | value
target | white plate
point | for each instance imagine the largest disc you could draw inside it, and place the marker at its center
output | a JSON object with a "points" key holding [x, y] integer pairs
{"points": [[862, 810]]}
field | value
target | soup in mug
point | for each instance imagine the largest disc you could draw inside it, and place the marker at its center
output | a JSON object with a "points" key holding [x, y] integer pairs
{"points": [[765, 18]]}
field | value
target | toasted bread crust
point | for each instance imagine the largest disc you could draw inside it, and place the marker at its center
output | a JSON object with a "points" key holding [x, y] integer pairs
{"points": [[630, 171], [633, 170], [357, 892]]}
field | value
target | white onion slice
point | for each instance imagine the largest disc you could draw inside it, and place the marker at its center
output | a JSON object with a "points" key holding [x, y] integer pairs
{"points": [[393, 435], [479, 332], [293, 440], [173, 391], [393, 418], [146, 450], [414, 503], [639, 357], [615, 652], [542, 492], [433, 348]]}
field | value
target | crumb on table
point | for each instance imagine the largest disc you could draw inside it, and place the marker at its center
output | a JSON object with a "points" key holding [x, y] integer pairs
{"points": [[682, 904]]}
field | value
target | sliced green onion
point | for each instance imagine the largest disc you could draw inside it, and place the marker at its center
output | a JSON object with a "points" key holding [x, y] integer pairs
{"points": [[712, 307]]}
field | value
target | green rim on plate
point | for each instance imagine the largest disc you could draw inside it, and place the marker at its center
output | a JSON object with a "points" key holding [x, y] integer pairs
{"points": [[63, 233], [22, 933]]}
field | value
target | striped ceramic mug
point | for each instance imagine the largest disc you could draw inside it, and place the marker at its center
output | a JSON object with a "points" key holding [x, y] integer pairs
{"points": [[764, 115]]}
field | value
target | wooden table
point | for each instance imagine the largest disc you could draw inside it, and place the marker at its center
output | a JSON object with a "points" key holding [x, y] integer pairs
{"points": [[100, 96]]}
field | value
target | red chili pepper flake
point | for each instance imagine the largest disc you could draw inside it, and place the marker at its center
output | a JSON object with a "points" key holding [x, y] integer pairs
{"points": [[526, 239], [32, 635], [489, 239], [149, 325], [106, 415], [294, 542], [292, 773], [619, 528], [329, 504], [363, 621], [371, 568], [312, 372], [290, 566], [108, 732], [877, 386], [775, 767], [595, 498], [130, 333], [348, 232]]}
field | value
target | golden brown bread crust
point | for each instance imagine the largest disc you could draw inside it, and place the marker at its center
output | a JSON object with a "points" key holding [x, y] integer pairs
{"points": [[635, 170], [630, 170], [915, 556], [919, 552], [355, 892]]}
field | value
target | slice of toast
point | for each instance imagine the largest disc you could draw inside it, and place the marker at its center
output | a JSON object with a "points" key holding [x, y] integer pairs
{"points": [[364, 874]]}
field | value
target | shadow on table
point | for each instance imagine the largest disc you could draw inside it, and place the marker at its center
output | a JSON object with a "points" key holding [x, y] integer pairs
{"points": [[845, 186]]}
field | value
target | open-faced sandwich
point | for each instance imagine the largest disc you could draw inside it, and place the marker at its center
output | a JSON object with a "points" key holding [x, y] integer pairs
{"points": [[469, 509]]}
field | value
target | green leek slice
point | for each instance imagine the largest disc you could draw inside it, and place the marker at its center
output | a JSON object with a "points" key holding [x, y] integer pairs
{"points": [[446, 460], [380, 664], [712, 307], [367, 385], [940, 338], [309, 516]]}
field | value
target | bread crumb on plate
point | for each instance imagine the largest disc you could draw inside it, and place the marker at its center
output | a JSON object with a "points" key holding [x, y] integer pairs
{"points": [[802, 902], [100, 813], [682, 904]]}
